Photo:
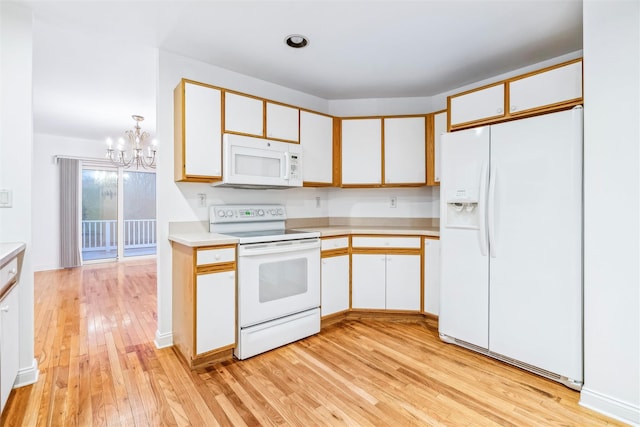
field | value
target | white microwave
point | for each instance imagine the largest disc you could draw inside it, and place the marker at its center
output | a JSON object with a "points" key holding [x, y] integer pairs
{"points": [[249, 162]]}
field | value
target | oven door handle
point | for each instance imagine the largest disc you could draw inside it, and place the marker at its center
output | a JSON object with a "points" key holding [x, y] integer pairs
{"points": [[277, 248]]}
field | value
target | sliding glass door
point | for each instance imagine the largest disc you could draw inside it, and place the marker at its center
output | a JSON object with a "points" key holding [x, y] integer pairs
{"points": [[99, 214], [139, 213], [118, 213]]}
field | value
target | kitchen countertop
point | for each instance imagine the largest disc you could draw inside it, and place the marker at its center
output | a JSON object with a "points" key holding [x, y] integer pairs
{"points": [[337, 230], [9, 251], [203, 238]]}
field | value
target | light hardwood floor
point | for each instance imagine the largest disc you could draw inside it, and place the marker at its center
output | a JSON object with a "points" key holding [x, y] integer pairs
{"points": [[98, 366]]}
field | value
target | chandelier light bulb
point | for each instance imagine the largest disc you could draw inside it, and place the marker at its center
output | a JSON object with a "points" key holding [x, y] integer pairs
{"points": [[136, 149]]}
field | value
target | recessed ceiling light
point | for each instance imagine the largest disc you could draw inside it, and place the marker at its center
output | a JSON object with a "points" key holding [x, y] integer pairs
{"points": [[296, 41]]}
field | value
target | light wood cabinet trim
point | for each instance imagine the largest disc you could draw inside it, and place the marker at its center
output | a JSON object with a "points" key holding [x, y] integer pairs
{"points": [[337, 151], [334, 253], [179, 166], [216, 268], [183, 303]]}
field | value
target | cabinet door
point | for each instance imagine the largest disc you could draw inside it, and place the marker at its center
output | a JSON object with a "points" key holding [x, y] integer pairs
{"points": [[368, 281], [215, 311], [439, 129], [432, 276], [243, 114], [361, 151], [316, 138], [282, 122], [551, 87], [335, 284], [476, 106], [198, 125], [404, 150], [9, 344], [403, 282]]}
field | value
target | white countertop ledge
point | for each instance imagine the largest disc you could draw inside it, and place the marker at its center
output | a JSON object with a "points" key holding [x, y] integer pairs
{"points": [[10, 250], [199, 239]]}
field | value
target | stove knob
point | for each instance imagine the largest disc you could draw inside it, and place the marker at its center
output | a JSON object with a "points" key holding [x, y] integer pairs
{"points": [[221, 213], [229, 213], [260, 212], [280, 212]]}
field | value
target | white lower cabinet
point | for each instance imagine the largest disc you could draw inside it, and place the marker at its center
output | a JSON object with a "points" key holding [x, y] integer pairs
{"points": [[335, 284], [403, 282], [368, 281], [215, 311], [9, 344], [386, 281]]}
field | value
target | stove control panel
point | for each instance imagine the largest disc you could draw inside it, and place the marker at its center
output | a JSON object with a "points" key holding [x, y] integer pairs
{"points": [[246, 213]]}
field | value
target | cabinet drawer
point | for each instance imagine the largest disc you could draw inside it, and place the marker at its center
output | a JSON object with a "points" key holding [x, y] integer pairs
{"points": [[385, 242], [215, 256], [335, 243], [8, 272]]}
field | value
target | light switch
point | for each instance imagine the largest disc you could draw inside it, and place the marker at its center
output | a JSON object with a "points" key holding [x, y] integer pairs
{"points": [[5, 198]]}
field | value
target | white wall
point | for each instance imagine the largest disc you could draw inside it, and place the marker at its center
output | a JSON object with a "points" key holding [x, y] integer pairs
{"points": [[16, 146], [612, 190], [46, 192], [375, 202]]}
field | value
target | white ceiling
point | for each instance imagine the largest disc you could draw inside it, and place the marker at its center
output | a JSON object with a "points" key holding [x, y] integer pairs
{"points": [[94, 61]]}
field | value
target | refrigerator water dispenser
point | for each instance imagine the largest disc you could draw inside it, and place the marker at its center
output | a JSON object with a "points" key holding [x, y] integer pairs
{"points": [[462, 208]]}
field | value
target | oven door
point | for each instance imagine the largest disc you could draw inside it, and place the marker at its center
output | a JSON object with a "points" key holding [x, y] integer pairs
{"points": [[277, 279]]}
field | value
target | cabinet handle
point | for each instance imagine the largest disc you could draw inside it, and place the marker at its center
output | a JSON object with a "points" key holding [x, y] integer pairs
{"points": [[217, 256], [4, 308], [500, 110], [13, 271], [514, 108], [231, 275]]}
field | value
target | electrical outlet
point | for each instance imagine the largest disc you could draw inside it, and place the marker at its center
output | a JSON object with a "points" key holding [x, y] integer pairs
{"points": [[317, 202], [393, 202], [202, 200]]}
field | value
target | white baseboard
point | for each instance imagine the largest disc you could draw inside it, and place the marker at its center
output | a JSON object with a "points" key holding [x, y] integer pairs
{"points": [[163, 340], [27, 376], [610, 406]]}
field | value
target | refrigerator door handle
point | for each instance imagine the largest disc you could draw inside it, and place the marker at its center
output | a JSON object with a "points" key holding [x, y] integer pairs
{"points": [[491, 212], [482, 219]]}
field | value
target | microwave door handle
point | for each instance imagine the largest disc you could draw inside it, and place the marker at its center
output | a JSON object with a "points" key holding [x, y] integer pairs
{"points": [[287, 166]]}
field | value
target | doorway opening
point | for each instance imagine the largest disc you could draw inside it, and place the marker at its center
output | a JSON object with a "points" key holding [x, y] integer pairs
{"points": [[118, 213]]}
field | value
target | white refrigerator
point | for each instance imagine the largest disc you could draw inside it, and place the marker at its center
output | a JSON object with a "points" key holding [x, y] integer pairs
{"points": [[511, 243]]}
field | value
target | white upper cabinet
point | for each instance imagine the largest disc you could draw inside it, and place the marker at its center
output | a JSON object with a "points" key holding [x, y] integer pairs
{"points": [[282, 122], [361, 151], [243, 114], [316, 138], [439, 129], [477, 105], [198, 132], [404, 150], [546, 88]]}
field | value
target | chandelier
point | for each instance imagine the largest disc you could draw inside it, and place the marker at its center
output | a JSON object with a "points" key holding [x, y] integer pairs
{"points": [[135, 150]]}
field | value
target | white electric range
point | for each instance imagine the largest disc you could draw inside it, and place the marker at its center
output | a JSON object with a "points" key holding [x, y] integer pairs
{"points": [[278, 276]]}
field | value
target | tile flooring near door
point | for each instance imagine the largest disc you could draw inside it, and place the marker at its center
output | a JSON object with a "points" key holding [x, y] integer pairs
{"points": [[98, 366]]}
